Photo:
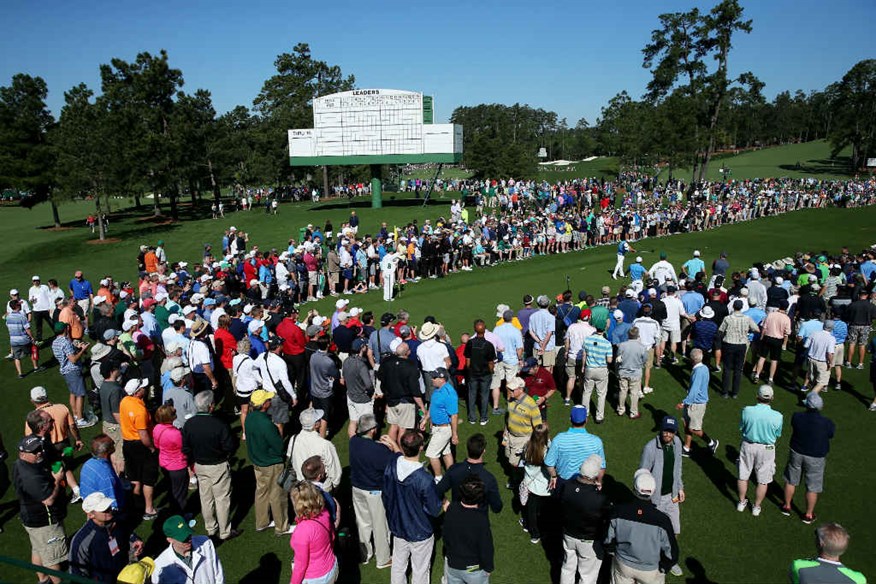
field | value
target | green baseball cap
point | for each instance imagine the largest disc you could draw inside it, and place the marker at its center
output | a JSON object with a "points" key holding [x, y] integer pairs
{"points": [[60, 327], [662, 255], [177, 528]]}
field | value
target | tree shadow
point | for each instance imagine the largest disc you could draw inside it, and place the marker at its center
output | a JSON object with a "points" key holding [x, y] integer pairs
{"points": [[268, 570], [391, 202]]}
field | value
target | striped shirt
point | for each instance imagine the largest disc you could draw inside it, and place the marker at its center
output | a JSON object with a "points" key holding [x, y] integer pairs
{"points": [[597, 349], [523, 416], [569, 449], [736, 328]]}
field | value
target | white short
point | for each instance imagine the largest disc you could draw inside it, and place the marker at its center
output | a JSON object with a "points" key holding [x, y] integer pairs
{"points": [[673, 335], [759, 459], [439, 443], [357, 410]]}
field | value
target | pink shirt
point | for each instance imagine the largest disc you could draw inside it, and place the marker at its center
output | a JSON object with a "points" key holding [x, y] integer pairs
{"points": [[168, 441], [312, 541]]}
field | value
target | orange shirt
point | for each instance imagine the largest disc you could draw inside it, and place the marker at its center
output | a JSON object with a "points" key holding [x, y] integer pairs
{"points": [[63, 420], [150, 260], [133, 417], [69, 316]]}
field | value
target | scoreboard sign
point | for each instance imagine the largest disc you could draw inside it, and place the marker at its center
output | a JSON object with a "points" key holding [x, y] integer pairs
{"points": [[374, 126]]}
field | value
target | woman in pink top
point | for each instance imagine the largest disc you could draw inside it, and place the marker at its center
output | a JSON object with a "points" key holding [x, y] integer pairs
{"points": [[168, 441], [313, 538]]}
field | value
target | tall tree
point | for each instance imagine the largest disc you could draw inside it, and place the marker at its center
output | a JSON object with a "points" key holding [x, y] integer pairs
{"points": [[855, 106], [286, 101], [677, 57], [26, 159]]}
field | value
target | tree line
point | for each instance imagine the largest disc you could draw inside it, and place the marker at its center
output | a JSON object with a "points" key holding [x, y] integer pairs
{"points": [[142, 133]]}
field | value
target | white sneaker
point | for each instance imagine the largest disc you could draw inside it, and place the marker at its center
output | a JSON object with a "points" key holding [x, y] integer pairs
{"points": [[755, 510], [676, 570], [741, 505], [646, 390]]}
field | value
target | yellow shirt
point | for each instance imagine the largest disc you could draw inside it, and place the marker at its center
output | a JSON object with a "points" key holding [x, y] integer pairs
{"points": [[523, 416]]}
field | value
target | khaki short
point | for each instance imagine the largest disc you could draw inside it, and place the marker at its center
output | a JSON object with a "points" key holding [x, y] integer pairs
{"points": [[514, 446], [649, 361], [402, 415], [673, 336], [114, 431], [313, 278], [573, 368], [334, 278], [839, 354], [548, 358], [439, 443], [502, 372], [357, 410], [759, 459], [693, 416], [819, 372], [49, 543]]}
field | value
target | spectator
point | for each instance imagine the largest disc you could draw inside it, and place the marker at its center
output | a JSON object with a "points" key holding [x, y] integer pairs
{"points": [[631, 359], [585, 511], [694, 405], [99, 476], [761, 427], [309, 443], [468, 540], [265, 450], [535, 490], [189, 558], [313, 538], [102, 547], [168, 440], [831, 542], [443, 414], [141, 460], [572, 447], [456, 475]]}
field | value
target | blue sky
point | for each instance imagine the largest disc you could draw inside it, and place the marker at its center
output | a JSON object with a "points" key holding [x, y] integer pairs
{"points": [[568, 57]]}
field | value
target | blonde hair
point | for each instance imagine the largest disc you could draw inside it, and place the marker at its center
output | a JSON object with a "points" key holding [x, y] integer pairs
{"points": [[244, 346], [306, 500], [165, 414]]}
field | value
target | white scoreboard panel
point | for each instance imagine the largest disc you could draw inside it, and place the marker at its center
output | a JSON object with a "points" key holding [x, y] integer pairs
{"points": [[372, 122]]}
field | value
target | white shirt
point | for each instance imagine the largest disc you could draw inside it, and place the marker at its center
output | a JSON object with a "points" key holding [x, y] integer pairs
{"points": [[431, 354], [25, 307], [674, 311], [271, 366], [308, 443], [199, 356], [214, 317], [206, 567], [246, 373], [576, 334], [662, 270], [282, 273], [648, 330], [39, 297], [346, 260]]}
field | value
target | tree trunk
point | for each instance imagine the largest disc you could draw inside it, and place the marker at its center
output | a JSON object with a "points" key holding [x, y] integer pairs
{"points": [[174, 211], [156, 209], [55, 217], [101, 229], [214, 186], [136, 201]]}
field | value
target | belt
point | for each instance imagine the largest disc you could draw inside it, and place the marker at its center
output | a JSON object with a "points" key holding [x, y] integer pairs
{"points": [[440, 425]]}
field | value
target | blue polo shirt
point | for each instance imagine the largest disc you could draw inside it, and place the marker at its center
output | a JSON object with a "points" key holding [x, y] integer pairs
{"points": [[637, 271], [569, 449], [694, 266], [444, 405], [699, 386], [81, 290], [597, 349], [760, 424]]}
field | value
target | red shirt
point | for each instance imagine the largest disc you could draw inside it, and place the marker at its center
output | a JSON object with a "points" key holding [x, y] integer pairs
{"points": [[226, 346], [293, 337], [539, 383]]}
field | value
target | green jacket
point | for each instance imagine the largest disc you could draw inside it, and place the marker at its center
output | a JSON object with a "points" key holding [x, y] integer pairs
{"points": [[263, 441]]}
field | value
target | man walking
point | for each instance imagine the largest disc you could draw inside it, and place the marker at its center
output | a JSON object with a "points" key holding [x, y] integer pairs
{"points": [[775, 332], [20, 337], [264, 445], [411, 501], [208, 442], [662, 457], [810, 442], [444, 415], [585, 511], [631, 359], [734, 342], [523, 417], [694, 405], [141, 457], [761, 426], [820, 348], [480, 361], [400, 382]]}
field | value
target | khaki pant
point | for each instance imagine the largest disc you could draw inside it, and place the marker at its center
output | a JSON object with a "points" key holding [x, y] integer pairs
{"points": [[270, 498], [416, 553], [623, 574], [579, 559], [114, 431], [634, 388], [596, 377], [214, 488], [514, 447], [371, 521]]}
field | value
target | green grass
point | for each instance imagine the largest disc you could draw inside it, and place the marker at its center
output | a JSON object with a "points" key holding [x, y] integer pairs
{"points": [[809, 159], [718, 544], [602, 167]]}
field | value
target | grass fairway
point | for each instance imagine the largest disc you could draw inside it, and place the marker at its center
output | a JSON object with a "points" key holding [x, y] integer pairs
{"points": [[809, 159], [717, 545]]}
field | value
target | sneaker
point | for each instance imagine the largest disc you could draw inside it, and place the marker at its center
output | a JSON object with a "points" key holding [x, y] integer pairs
{"points": [[803, 389], [872, 407], [741, 505], [838, 386], [21, 375], [600, 420], [717, 368], [498, 411], [754, 378], [647, 389], [234, 533], [860, 366], [635, 416], [786, 511], [676, 570], [567, 402], [725, 396], [770, 381], [675, 360], [685, 452], [522, 525], [713, 446], [535, 540], [755, 511], [385, 566], [266, 527], [76, 498], [472, 422], [484, 422], [438, 479], [289, 531], [150, 516], [80, 422], [808, 519]]}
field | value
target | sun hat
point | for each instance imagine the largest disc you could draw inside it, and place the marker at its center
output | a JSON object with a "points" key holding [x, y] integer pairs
{"points": [[428, 331]]}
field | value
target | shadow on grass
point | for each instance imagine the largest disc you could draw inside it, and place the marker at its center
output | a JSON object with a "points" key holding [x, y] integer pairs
{"points": [[268, 570], [838, 165], [697, 572], [390, 201]]}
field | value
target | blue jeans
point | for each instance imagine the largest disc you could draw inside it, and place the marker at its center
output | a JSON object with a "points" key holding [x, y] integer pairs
{"points": [[478, 385], [455, 576], [75, 383]]}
